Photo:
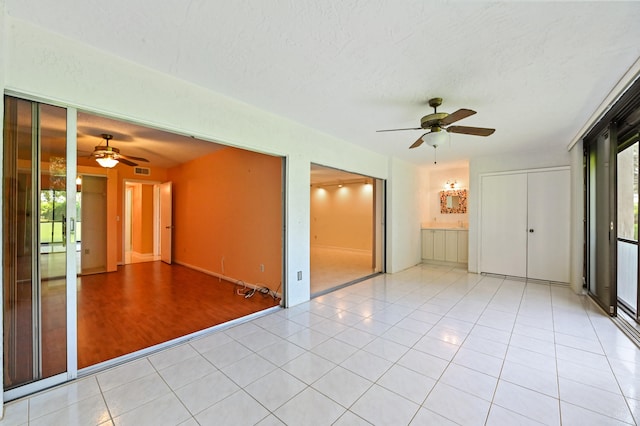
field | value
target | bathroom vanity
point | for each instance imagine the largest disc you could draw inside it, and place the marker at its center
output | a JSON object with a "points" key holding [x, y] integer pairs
{"points": [[442, 244]]}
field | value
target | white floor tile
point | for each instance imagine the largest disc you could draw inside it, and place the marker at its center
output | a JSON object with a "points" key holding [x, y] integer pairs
{"points": [[407, 383], [597, 378], [185, 372], [483, 363], [334, 350], [16, 413], [259, 340], [391, 351], [350, 419], [53, 400], [499, 416], [238, 409], [172, 356], [318, 409], [342, 386], [381, 406], [471, 381], [125, 373], [529, 403], [530, 378], [573, 415], [275, 389], [367, 365], [198, 395], [437, 347], [426, 417], [485, 346], [134, 394], [281, 353], [87, 411], [164, 410], [456, 405], [422, 363], [209, 342], [308, 367], [355, 337], [227, 354], [248, 369], [603, 402]]}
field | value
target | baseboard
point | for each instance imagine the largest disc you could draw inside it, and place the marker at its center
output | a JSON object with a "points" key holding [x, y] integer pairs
{"points": [[235, 281]]}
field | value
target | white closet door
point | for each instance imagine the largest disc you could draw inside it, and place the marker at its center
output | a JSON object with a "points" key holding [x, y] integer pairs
{"points": [[504, 224], [548, 211]]}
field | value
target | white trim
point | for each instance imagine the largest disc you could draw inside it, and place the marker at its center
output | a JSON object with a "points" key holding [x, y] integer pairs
{"points": [[72, 281], [632, 74]]}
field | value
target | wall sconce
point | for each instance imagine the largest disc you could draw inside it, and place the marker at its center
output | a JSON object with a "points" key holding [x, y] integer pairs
{"points": [[79, 180], [451, 184]]}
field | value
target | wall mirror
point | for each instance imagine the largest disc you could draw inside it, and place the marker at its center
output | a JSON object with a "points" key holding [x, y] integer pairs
{"points": [[453, 201]]}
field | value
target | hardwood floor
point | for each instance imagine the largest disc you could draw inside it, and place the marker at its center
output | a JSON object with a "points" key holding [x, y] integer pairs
{"points": [[144, 304]]}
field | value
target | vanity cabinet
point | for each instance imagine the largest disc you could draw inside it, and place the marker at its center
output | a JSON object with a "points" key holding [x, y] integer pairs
{"points": [[445, 245]]}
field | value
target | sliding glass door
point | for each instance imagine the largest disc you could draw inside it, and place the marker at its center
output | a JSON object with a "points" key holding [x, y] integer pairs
{"points": [[38, 245], [627, 239]]}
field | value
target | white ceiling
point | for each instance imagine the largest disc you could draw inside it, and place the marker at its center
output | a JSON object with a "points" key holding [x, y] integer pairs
{"points": [[535, 71]]}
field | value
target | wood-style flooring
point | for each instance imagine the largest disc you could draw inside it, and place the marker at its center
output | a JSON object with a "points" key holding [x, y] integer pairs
{"points": [[144, 304]]}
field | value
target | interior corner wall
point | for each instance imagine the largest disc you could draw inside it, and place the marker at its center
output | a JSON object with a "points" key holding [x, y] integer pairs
{"points": [[403, 218], [342, 217], [59, 70], [227, 214], [504, 163]]}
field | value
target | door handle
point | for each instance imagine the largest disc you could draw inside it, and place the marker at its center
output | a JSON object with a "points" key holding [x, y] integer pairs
{"points": [[531, 231]]}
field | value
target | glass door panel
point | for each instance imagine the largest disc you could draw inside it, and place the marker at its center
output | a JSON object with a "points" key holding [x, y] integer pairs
{"points": [[34, 248], [627, 241]]}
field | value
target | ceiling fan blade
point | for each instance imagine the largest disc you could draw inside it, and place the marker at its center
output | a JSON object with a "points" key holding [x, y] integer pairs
{"points": [[418, 142], [476, 131], [129, 157], [127, 162], [396, 130], [458, 115]]}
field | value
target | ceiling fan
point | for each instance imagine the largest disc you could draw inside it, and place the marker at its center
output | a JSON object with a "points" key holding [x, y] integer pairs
{"points": [[109, 156], [439, 124]]}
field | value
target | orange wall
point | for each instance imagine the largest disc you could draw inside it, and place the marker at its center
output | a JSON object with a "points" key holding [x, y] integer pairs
{"points": [[342, 217], [227, 207]]}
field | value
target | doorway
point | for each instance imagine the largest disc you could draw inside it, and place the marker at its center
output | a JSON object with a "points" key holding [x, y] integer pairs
{"points": [[141, 222], [347, 228]]}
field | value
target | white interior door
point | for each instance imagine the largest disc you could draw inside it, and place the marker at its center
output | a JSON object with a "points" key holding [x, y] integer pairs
{"points": [[548, 225], [166, 222], [503, 224]]}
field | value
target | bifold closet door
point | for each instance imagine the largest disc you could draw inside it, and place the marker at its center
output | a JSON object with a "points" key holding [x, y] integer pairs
{"points": [[503, 225], [548, 211]]}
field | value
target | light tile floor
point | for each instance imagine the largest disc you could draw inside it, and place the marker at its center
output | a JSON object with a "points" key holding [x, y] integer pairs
{"points": [[429, 345]]}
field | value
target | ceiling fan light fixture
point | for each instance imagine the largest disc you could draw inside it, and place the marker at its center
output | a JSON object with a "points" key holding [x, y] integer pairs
{"points": [[107, 162], [436, 137]]}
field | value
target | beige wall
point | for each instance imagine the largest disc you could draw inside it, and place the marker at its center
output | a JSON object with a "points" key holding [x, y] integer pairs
{"points": [[342, 217]]}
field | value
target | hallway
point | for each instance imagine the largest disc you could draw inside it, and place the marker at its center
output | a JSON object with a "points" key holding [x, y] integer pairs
{"points": [[429, 345]]}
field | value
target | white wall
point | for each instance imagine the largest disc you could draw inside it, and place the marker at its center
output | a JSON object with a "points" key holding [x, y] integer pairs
{"points": [[403, 217], [503, 163]]}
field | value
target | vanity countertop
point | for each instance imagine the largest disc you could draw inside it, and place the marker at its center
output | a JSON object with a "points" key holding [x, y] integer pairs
{"points": [[455, 226]]}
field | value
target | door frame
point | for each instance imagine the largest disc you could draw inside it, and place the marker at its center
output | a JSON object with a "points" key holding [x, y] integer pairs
{"points": [[126, 215]]}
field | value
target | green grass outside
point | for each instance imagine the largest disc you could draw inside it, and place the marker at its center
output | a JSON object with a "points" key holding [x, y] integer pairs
{"points": [[46, 236]]}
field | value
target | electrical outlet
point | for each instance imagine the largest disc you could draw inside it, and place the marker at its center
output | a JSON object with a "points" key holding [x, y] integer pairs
{"points": [[261, 267], [299, 275]]}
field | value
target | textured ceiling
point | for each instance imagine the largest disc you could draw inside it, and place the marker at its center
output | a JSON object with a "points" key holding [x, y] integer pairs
{"points": [[535, 71]]}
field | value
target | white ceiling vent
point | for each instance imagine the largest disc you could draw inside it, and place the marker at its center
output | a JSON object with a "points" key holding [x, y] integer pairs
{"points": [[144, 171]]}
